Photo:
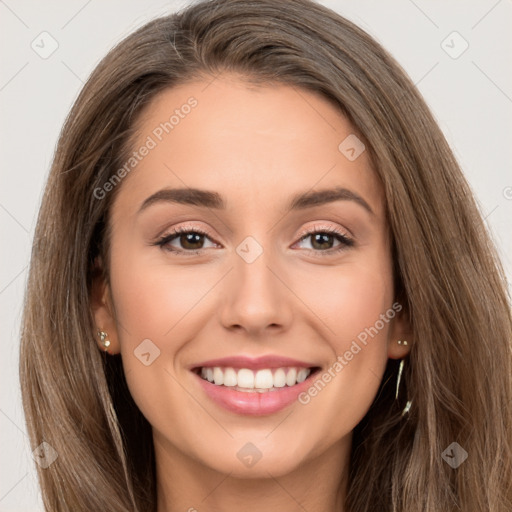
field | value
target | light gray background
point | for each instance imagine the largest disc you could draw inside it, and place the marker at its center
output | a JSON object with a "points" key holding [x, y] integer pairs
{"points": [[471, 97]]}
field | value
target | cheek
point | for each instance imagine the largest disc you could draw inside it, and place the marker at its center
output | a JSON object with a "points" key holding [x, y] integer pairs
{"points": [[151, 298], [349, 298], [355, 303], [362, 298], [153, 302]]}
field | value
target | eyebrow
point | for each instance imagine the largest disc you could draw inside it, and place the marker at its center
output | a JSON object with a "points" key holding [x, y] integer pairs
{"points": [[213, 200]]}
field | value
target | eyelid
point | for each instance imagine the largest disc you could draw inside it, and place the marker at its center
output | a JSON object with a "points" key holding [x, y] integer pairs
{"points": [[184, 228], [327, 228]]}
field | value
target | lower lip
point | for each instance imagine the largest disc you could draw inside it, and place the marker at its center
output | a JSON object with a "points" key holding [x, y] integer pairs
{"points": [[254, 403]]}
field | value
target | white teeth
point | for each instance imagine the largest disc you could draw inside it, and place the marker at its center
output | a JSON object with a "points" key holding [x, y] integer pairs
{"points": [[261, 380], [301, 375], [291, 377], [230, 378], [279, 378], [264, 379], [218, 376], [245, 378]]}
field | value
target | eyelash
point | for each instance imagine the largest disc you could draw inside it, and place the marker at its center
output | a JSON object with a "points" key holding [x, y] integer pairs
{"points": [[346, 242]]}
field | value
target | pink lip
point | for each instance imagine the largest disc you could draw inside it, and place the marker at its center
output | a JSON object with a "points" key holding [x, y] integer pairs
{"points": [[253, 403], [253, 363]]}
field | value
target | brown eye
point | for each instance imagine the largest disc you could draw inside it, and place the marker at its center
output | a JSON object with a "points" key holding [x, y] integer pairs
{"points": [[322, 240], [188, 241]]}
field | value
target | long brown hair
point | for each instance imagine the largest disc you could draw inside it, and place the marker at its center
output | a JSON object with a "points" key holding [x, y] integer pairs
{"points": [[446, 271]]}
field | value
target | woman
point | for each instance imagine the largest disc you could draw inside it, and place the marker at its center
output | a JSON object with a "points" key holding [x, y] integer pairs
{"points": [[191, 340]]}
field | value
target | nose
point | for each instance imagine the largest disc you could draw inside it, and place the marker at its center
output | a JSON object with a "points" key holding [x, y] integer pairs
{"points": [[257, 299]]}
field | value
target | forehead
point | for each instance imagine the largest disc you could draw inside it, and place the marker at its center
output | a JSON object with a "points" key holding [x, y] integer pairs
{"points": [[257, 143]]}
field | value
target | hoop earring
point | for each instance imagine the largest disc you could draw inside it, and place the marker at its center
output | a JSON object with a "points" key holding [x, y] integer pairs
{"points": [[103, 340], [400, 371]]}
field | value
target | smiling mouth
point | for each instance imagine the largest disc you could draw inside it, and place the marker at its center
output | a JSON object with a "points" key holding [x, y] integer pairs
{"points": [[255, 381]]}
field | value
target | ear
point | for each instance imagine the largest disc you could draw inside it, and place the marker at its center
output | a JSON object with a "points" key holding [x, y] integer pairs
{"points": [[399, 330], [103, 311]]}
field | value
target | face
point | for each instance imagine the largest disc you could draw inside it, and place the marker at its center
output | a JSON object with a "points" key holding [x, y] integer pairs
{"points": [[277, 287]]}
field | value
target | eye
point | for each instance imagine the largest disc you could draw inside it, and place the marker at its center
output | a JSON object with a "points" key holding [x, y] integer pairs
{"points": [[191, 240], [323, 237]]}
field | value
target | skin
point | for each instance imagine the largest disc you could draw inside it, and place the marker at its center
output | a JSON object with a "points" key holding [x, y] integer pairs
{"points": [[257, 146]]}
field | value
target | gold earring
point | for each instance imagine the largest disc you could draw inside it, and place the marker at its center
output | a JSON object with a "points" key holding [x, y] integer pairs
{"points": [[103, 339], [402, 342]]}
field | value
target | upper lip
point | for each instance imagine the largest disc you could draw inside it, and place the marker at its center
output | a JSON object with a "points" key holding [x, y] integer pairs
{"points": [[253, 363]]}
